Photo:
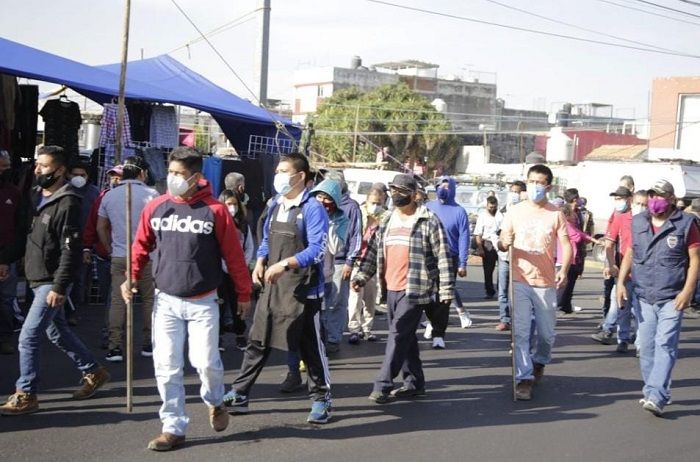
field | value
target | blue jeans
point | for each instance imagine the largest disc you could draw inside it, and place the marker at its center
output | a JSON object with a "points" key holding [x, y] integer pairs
{"points": [[8, 293], [334, 316], [41, 319], [620, 318], [659, 331], [176, 320], [542, 303], [503, 281]]}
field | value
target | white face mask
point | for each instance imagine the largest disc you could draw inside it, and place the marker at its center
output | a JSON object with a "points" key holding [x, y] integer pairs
{"points": [[283, 183], [373, 209], [78, 181], [177, 185], [637, 209], [233, 209], [513, 198]]}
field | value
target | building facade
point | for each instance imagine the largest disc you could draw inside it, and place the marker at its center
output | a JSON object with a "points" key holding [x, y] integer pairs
{"points": [[675, 118]]}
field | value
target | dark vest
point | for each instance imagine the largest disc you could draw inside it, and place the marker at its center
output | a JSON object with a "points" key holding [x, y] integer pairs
{"points": [[660, 261]]}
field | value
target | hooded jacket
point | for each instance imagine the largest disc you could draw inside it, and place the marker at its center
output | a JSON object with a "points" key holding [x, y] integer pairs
{"points": [[353, 241], [455, 221], [54, 246], [186, 238]]}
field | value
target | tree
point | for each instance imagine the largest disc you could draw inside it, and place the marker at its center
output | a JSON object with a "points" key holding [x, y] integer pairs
{"points": [[405, 121]]}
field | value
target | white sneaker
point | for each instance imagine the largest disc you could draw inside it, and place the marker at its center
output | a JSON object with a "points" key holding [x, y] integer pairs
{"points": [[428, 334], [465, 320], [577, 309], [438, 343]]}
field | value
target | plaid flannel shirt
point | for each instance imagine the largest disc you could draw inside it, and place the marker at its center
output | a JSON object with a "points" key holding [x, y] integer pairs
{"points": [[430, 267]]}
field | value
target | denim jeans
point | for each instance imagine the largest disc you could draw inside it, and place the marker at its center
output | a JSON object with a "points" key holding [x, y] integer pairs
{"points": [[334, 316], [542, 303], [8, 293], [41, 319], [503, 281], [622, 319], [659, 331], [175, 320]]}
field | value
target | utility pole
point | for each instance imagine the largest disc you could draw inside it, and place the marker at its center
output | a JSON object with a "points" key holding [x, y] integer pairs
{"points": [[263, 52], [357, 123]]}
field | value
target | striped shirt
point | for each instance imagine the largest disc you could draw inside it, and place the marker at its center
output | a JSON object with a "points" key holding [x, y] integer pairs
{"points": [[396, 249]]}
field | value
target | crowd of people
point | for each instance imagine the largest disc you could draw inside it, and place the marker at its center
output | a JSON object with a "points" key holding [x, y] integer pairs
{"points": [[313, 269]]}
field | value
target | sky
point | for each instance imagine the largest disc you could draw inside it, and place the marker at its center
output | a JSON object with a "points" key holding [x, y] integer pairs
{"points": [[532, 71]]}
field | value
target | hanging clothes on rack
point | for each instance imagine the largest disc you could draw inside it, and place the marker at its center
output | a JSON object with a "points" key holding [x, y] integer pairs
{"points": [[163, 129], [62, 121], [140, 120], [108, 135], [8, 92]]}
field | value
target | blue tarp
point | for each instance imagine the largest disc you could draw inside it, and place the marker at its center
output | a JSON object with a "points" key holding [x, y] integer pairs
{"points": [[161, 79]]}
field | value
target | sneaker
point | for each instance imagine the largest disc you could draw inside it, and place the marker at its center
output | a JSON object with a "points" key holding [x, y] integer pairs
{"points": [[320, 412], [643, 401], [147, 350], [622, 347], [578, 309], [218, 417], [354, 339], [438, 343], [523, 390], [428, 334], [20, 403], [7, 348], [653, 408], [115, 355], [291, 383], [604, 337], [408, 392], [241, 342], [222, 346], [502, 326], [370, 337], [235, 402], [538, 371], [302, 366], [379, 397], [464, 320], [91, 382], [332, 347], [166, 442]]}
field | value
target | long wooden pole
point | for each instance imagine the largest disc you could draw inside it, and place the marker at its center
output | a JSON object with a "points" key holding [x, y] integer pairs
{"points": [[511, 307], [121, 109]]}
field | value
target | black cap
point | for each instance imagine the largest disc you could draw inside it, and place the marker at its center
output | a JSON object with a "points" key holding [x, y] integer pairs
{"points": [[405, 182], [621, 192]]}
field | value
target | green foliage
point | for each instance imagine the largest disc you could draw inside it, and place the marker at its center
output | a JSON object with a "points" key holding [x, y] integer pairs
{"points": [[410, 126]]}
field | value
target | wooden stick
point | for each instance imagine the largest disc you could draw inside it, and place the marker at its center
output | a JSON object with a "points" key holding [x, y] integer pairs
{"points": [[122, 83], [511, 302], [129, 309]]}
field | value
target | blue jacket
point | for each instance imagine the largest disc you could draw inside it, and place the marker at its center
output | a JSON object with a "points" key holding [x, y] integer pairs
{"points": [[660, 261], [455, 221], [353, 241], [314, 224]]}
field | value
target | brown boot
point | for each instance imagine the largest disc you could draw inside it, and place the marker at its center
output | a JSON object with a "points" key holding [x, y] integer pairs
{"points": [[166, 442], [91, 382], [538, 372], [218, 418], [20, 403], [523, 391]]}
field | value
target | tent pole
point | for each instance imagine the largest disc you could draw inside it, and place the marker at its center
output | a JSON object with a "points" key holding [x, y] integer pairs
{"points": [[118, 159]]}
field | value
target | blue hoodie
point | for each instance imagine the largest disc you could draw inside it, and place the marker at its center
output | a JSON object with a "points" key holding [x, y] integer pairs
{"points": [[455, 221]]}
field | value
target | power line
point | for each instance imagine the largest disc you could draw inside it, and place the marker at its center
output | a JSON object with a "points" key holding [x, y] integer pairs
{"points": [[664, 7], [690, 2], [224, 27], [652, 13], [532, 31], [575, 26]]}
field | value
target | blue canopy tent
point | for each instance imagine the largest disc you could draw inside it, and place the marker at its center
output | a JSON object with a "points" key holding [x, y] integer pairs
{"points": [[161, 79]]}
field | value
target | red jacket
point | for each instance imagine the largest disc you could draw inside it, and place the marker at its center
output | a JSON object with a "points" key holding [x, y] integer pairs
{"points": [[90, 237]]}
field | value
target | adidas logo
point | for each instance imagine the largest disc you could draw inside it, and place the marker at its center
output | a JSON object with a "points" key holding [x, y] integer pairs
{"points": [[182, 225], [8, 202]]}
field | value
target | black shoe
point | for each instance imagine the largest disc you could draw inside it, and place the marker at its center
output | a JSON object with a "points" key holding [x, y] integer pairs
{"points": [[379, 397], [606, 338], [147, 350], [292, 383], [241, 342], [371, 337], [354, 339], [622, 347], [332, 347], [408, 392], [115, 355]]}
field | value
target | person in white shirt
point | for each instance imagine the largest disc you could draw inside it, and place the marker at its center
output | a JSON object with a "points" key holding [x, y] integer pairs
{"points": [[486, 234]]}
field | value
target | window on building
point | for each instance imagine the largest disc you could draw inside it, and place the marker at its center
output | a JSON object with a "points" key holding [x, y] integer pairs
{"points": [[688, 134]]}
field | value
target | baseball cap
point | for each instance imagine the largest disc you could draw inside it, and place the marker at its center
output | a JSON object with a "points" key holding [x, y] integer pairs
{"points": [[405, 182], [662, 187], [116, 170], [621, 192]]}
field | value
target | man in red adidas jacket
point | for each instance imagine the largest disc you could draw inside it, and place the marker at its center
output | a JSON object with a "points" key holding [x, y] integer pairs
{"points": [[188, 233]]}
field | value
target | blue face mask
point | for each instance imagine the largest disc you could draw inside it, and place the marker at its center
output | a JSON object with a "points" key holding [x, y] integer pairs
{"points": [[536, 192], [443, 194], [621, 207]]}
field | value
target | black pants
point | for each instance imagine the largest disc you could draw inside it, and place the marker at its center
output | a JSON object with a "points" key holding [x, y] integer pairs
{"points": [[227, 292], [311, 351], [568, 292], [489, 259], [401, 353], [607, 290], [439, 315]]}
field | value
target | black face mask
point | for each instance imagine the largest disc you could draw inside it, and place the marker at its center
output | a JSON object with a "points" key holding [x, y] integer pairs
{"points": [[400, 200], [47, 180]]}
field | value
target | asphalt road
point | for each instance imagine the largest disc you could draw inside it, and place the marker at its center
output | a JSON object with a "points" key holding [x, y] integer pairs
{"points": [[585, 409]]}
